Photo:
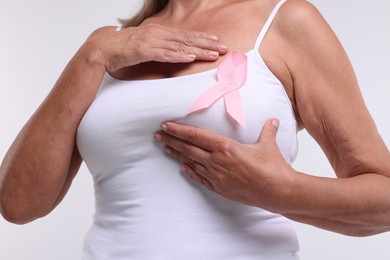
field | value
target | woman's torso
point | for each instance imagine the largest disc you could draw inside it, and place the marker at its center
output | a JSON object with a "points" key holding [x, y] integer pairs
{"points": [[147, 209]]}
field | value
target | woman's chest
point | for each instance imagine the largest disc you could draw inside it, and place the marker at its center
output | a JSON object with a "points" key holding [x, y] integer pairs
{"points": [[126, 114]]}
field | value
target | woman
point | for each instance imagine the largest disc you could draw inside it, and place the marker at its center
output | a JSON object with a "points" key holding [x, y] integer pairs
{"points": [[142, 211], [330, 107]]}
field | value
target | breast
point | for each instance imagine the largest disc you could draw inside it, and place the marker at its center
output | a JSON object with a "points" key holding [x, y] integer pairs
{"points": [[118, 127], [139, 190]]}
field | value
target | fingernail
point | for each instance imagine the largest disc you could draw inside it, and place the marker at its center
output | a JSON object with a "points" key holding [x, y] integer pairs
{"points": [[164, 127], [222, 47], [157, 137], [213, 37], [275, 123], [213, 54]]}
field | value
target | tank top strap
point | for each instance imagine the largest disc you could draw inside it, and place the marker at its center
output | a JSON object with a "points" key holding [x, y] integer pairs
{"points": [[267, 24]]}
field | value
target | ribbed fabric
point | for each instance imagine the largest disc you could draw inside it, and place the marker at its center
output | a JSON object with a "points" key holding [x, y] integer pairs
{"points": [[145, 207]]}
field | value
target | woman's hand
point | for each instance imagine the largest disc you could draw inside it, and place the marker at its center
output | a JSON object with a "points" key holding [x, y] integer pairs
{"points": [[151, 42], [255, 174], [258, 175]]}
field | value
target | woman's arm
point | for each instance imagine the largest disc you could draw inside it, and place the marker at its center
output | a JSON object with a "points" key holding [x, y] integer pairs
{"points": [[331, 108], [41, 163], [43, 160]]}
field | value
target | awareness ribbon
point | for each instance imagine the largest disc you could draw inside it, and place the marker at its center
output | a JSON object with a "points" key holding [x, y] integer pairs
{"points": [[231, 75]]}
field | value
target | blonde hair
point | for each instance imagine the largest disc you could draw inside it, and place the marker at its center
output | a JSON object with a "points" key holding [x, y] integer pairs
{"points": [[149, 8]]}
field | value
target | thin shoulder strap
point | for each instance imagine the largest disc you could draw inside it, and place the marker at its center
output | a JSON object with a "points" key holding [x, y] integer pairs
{"points": [[267, 24]]}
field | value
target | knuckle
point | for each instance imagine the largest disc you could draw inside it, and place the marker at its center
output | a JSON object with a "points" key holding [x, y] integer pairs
{"points": [[187, 149], [180, 47], [140, 51], [194, 167], [187, 37], [178, 156], [188, 40], [191, 135], [218, 170], [206, 163], [225, 148]]}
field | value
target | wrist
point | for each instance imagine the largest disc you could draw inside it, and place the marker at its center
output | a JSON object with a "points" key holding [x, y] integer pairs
{"points": [[286, 192]]}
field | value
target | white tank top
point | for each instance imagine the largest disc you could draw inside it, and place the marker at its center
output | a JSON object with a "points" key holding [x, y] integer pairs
{"points": [[145, 207]]}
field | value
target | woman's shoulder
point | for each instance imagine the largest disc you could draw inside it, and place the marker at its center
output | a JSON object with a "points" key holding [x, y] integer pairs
{"points": [[299, 12], [298, 9], [300, 18]]}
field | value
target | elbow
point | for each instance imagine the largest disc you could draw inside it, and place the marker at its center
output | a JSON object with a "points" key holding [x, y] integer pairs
{"points": [[367, 233], [15, 219], [14, 215], [14, 208], [361, 233], [367, 230], [15, 212]]}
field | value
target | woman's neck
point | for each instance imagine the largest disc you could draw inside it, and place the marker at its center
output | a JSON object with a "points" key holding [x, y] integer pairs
{"points": [[179, 9]]}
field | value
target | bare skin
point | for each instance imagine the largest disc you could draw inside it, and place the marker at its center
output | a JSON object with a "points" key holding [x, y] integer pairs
{"points": [[320, 80], [41, 164], [39, 167]]}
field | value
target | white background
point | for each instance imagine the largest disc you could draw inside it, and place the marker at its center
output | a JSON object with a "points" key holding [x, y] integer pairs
{"points": [[37, 38]]}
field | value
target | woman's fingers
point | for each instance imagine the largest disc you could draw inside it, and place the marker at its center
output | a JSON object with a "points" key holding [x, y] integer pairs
{"points": [[197, 166], [183, 40], [268, 133], [204, 46], [181, 149], [166, 44], [193, 162], [252, 174], [134, 45], [180, 49], [194, 175], [204, 139], [166, 55], [194, 169], [174, 45]]}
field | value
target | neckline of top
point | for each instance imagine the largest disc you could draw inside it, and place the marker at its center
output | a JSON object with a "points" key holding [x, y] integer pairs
{"points": [[109, 77]]}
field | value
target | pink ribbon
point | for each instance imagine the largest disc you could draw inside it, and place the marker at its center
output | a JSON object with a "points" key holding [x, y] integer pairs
{"points": [[231, 75]]}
